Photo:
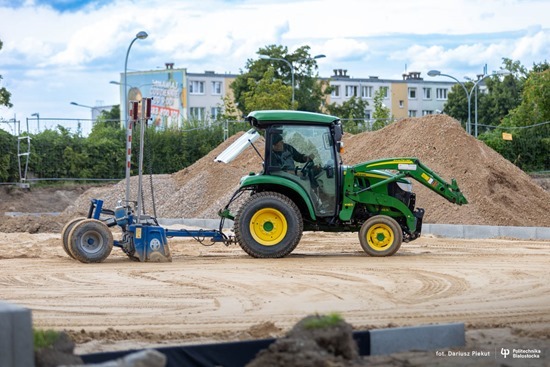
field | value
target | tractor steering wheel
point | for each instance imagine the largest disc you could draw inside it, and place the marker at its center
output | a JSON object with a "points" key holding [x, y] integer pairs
{"points": [[306, 168]]}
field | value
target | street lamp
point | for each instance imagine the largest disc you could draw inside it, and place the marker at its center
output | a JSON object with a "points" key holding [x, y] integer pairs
{"points": [[141, 35], [83, 105], [37, 119], [494, 73], [439, 73], [469, 94], [266, 57]]}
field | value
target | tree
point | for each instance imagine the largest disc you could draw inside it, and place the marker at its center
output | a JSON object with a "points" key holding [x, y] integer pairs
{"points": [[308, 91], [352, 110], [503, 95], [5, 95], [268, 93], [528, 123], [382, 114]]}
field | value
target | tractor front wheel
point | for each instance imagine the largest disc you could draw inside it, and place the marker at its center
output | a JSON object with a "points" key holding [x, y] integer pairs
{"points": [[268, 225], [380, 236], [90, 241]]}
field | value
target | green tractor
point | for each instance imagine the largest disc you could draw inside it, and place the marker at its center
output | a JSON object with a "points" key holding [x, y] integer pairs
{"points": [[304, 186]]}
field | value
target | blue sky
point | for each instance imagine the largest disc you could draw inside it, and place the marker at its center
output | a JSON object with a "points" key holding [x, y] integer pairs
{"points": [[55, 52]]}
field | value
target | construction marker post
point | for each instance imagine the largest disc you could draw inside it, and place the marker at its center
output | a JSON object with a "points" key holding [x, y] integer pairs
{"points": [[133, 115], [145, 116]]}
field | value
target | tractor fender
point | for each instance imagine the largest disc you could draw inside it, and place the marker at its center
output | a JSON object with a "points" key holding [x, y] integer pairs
{"points": [[264, 180]]}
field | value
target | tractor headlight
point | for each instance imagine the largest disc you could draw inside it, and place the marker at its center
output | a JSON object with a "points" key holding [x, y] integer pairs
{"points": [[405, 186]]}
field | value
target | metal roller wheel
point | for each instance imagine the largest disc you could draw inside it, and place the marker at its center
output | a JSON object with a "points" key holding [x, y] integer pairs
{"points": [[380, 236], [65, 234], [268, 225], [90, 241]]}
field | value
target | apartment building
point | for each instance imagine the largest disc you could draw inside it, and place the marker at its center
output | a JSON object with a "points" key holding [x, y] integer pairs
{"points": [[410, 97], [179, 95]]}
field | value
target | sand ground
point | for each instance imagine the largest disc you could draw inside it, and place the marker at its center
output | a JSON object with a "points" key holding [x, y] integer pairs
{"points": [[500, 289]]}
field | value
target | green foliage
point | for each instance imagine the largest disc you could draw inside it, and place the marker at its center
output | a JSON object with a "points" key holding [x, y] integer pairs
{"points": [[503, 95], [267, 94], [530, 147], [5, 95], [352, 113], [323, 321], [381, 114], [308, 91], [44, 338], [8, 157], [59, 153]]}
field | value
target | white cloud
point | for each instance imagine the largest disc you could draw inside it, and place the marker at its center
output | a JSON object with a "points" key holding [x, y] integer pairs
{"points": [[50, 57]]}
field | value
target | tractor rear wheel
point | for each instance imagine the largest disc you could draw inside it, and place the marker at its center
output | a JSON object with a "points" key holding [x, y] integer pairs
{"points": [[90, 241], [65, 233], [268, 225], [380, 236]]}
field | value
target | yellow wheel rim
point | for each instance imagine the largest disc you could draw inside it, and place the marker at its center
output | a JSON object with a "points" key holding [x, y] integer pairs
{"points": [[268, 226], [380, 236]]}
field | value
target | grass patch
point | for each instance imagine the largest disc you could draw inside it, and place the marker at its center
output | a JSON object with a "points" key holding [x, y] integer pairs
{"points": [[325, 321], [44, 338]]}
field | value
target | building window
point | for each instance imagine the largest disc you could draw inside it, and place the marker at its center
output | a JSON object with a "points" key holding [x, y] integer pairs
{"points": [[335, 91], [441, 93], [215, 112], [401, 103], [384, 91], [196, 87], [412, 93], [412, 113], [427, 112], [351, 91], [368, 114], [427, 93], [196, 113], [366, 92], [217, 88]]}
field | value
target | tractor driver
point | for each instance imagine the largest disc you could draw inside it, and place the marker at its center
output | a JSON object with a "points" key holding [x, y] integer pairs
{"points": [[284, 155]]}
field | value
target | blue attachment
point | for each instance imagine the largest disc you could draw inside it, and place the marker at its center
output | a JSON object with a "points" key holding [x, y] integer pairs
{"points": [[216, 235], [95, 209], [149, 241]]}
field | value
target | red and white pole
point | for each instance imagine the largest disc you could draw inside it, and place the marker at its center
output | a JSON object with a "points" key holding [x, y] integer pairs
{"points": [[133, 114]]}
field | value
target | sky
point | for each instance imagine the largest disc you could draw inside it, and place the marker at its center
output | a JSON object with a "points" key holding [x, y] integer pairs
{"points": [[60, 51]]}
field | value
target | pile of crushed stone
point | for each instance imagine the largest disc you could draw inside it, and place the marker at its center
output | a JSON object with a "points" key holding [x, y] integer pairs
{"points": [[498, 192]]}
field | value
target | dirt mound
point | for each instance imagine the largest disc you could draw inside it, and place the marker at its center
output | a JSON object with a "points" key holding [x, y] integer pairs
{"points": [[314, 341], [498, 192], [197, 191]]}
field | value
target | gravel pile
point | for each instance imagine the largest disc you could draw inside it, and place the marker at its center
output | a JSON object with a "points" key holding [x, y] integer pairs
{"points": [[498, 192]]}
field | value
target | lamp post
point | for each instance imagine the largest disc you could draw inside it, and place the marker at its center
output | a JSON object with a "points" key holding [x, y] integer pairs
{"points": [[37, 119], [140, 35], [266, 57], [494, 73], [83, 105], [469, 94], [439, 73]]}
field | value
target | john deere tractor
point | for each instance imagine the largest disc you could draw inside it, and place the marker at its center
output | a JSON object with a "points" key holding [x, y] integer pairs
{"points": [[320, 193]]}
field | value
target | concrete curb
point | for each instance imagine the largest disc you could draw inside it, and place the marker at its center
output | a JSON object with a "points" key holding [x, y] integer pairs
{"points": [[425, 337], [16, 336], [439, 230]]}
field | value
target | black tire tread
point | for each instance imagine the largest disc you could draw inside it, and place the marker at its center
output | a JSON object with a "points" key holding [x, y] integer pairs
{"points": [[253, 249], [397, 231], [81, 228]]}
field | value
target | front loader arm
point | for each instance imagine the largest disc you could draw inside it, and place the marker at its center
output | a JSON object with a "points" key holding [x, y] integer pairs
{"points": [[412, 167]]}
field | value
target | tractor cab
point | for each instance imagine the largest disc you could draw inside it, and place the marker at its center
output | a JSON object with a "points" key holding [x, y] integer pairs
{"points": [[302, 157]]}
